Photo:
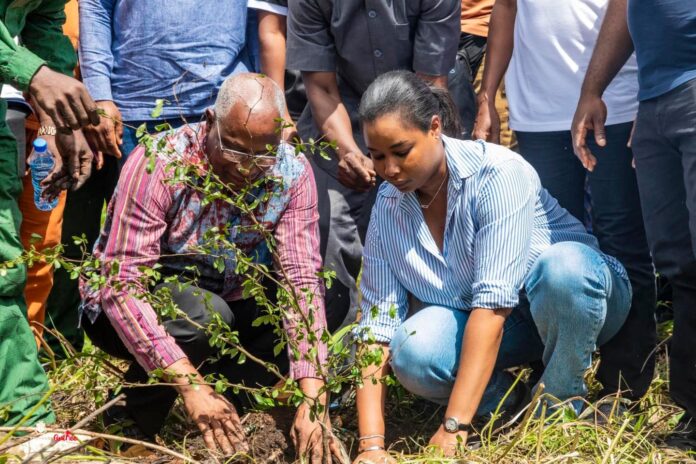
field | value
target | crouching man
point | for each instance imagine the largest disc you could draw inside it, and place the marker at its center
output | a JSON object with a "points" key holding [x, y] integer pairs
{"points": [[154, 220]]}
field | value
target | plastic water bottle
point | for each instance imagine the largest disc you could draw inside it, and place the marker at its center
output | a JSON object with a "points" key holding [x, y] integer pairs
{"points": [[41, 163]]}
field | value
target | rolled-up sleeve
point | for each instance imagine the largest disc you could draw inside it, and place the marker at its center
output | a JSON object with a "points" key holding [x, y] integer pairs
{"points": [[137, 225], [299, 259], [310, 45], [384, 300], [96, 58], [437, 37], [505, 217]]}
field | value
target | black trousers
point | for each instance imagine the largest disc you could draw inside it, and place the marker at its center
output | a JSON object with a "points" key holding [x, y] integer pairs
{"points": [[664, 146], [149, 406]]}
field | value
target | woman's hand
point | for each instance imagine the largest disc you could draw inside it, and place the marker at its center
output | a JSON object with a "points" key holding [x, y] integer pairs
{"points": [[374, 457], [449, 442]]}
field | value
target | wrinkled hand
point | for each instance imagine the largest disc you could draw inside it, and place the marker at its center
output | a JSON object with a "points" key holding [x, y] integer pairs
{"points": [[308, 437], [64, 99], [591, 114], [450, 443], [106, 137], [356, 171], [217, 420], [374, 457], [74, 166], [487, 125]]}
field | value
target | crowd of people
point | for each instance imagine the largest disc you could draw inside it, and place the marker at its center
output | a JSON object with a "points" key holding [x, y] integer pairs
{"points": [[474, 256]]}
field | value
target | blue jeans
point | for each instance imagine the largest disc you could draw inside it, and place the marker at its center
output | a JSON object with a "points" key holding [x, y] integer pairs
{"points": [[628, 360], [575, 303], [130, 140]]}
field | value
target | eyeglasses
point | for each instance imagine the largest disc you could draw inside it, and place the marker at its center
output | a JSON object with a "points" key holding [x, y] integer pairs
{"points": [[264, 161]]}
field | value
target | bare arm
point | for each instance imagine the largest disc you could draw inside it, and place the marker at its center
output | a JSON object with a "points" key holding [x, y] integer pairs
{"points": [[331, 116], [370, 403], [614, 47], [498, 54], [482, 337], [272, 38]]}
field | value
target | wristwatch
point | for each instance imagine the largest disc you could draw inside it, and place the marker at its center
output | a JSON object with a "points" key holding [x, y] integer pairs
{"points": [[47, 130], [452, 425]]}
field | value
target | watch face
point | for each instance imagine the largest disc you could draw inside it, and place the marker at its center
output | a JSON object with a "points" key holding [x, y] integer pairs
{"points": [[451, 424]]}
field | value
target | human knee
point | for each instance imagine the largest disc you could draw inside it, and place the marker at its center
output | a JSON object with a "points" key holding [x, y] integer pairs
{"points": [[198, 309]]}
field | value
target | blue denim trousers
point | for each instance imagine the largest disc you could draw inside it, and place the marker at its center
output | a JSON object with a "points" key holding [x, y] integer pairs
{"points": [[130, 128], [574, 303], [628, 359]]}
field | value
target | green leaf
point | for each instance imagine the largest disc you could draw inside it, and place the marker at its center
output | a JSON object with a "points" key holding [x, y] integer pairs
{"points": [[157, 110]]}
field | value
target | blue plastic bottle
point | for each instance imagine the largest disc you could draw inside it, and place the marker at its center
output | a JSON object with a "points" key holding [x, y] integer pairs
{"points": [[41, 163]]}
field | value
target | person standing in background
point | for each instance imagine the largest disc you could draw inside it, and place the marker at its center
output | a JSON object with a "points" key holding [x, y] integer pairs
{"points": [[41, 65], [341, 47], [663, 33], [553, 39]]}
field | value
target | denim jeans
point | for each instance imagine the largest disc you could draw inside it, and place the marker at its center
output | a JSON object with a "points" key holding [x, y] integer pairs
{"points": [[628, 360], [665, 149], [130, 140], [574, 303]]}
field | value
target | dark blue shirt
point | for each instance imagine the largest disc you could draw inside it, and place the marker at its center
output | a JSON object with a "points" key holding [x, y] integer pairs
{"points": [[664, 35]]}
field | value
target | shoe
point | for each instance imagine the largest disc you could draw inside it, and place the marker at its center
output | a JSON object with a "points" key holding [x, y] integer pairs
{"points": [[606, 410], [683, 436], [511, 415], [117, 421]]}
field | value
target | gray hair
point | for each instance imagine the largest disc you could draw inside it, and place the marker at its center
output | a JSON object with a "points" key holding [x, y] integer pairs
{"points": [[235, 89]]}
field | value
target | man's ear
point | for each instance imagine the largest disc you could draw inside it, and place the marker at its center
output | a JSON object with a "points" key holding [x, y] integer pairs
{"points": [[209, 115]]}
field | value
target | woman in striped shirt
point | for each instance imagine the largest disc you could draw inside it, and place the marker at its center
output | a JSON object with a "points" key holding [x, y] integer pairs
{"points": [[505, 275]]}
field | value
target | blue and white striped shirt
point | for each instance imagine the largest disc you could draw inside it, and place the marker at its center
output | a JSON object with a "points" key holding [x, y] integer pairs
{"points": [[499, 220]]}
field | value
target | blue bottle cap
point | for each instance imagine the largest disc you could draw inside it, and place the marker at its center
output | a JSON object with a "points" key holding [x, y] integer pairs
{"points": [[40, 145]]}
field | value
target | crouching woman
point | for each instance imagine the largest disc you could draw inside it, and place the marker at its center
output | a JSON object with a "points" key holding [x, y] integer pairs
{"points": [[505, 275]]}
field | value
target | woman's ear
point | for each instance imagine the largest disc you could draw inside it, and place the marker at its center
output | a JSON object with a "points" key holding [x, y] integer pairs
{"points": [[436, 126], [209, 116]]}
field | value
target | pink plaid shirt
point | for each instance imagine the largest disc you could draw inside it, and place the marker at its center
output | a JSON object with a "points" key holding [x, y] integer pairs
{"points": [[148, 219]]}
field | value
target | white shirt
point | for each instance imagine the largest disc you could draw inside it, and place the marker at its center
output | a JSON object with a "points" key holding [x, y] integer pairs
{"points": [[554, 40]]}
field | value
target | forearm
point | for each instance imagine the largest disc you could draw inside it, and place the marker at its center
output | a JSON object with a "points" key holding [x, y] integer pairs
{"points": [[613, 47], [330, 114], [482, 337], [371, 399], [272, 33], [499, 47]]}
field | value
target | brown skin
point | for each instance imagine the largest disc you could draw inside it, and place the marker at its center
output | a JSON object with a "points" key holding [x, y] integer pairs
{"points": [[498, 54], [248, 131], [614, 46], [106, 137], [414, 161]]}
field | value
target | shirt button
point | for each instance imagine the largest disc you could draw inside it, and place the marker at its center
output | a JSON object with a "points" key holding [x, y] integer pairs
{"points": [[372, 14], [378, 53]]}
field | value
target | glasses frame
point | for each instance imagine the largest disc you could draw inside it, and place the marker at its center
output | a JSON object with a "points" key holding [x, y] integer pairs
{"points": [[241, 158]]}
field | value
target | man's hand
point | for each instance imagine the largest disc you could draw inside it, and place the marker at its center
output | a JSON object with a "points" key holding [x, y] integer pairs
{"points": [[487, 125], [64, 99], [374, 457], [108, 134], [356, 171], [74, 166], [307, 435], [591, 114], [449, 442], [216, 418]]}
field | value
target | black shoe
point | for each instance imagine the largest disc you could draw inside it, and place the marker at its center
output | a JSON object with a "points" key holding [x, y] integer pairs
{"points": [[683, 436], [511, 415]]}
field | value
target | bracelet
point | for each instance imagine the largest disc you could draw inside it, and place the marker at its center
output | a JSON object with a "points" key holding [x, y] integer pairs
{"points": [[371, 448], [374, 435], [47, 130]]}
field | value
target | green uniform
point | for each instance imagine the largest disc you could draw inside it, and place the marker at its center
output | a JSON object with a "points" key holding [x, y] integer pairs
{"points": [[38, 23]]}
